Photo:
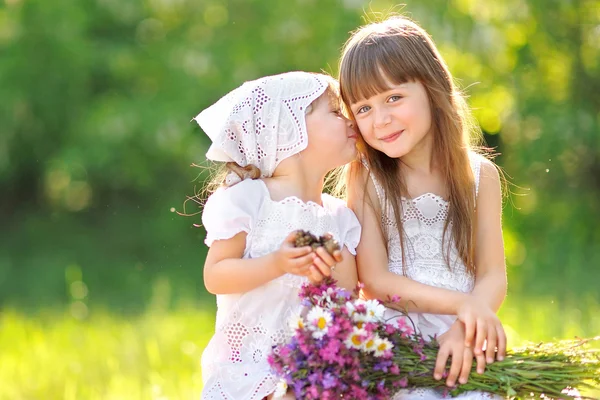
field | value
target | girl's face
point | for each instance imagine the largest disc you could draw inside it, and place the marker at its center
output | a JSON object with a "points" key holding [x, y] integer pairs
{"points": [[395, 121], [331, 136]]}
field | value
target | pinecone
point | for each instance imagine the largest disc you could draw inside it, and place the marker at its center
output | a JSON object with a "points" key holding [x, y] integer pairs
{"points": [[330, 244], [305, 238]]}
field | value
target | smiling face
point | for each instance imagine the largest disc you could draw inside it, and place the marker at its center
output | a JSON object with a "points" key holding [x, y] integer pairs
{"points": [[331, 136], [395, 121]]}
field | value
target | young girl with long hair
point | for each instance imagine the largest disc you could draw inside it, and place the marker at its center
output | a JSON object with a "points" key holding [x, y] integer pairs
{"points": [[430, 206]]}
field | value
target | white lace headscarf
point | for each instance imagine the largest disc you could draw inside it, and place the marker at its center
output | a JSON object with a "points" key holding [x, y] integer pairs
{"points": [[262, 122]]}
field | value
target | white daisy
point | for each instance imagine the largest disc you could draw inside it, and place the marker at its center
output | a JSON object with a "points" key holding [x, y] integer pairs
{"points": [[296, 322], [356, 338], [318, 320], [381, 346], [370, 343], [280, 390], [375, 311]]}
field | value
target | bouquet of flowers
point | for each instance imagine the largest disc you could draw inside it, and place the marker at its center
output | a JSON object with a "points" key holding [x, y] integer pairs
{"points": [[343, 348]]}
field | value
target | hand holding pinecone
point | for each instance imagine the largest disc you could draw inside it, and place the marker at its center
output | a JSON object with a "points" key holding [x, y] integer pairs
{"points": [[305, 238]]}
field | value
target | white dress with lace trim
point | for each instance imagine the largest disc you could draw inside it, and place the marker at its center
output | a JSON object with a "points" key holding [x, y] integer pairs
{"points": [[426, 251], [234, 364]]}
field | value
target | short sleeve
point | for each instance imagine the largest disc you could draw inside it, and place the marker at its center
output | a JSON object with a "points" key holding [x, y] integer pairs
{"points": [[350, 230], [229, 211], [349, 227]]}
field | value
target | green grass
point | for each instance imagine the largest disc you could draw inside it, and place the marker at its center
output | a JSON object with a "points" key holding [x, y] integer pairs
{"points": [[545, 319], [56, 356], [76, 356]]}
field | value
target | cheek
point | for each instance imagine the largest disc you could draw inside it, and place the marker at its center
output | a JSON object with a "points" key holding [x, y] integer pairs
{"points": [[363, 128], [419, 116]]}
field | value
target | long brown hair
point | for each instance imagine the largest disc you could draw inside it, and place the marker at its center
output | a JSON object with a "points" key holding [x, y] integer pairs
{"points": [[397, 50]]}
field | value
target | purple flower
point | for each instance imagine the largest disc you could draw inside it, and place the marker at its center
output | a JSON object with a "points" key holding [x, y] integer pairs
{"points": [[329, 381]]}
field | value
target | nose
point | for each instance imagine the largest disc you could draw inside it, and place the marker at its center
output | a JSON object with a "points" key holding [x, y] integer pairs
{"points": [[350, 123], [382, 118]]}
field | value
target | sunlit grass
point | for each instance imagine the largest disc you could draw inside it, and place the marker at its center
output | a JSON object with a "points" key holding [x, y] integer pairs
{"points": [[55, 356], [157, 355], [545, 319]]}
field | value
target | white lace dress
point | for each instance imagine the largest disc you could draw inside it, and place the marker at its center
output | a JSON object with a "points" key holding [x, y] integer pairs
{"points": [[423, 221], [234, 364]]}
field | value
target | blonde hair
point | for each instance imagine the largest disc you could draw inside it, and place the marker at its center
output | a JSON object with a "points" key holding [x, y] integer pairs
{"points": [[397, 50]]}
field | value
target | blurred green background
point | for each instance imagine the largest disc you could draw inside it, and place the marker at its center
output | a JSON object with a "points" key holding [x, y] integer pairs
{"points": [[101, 289]]}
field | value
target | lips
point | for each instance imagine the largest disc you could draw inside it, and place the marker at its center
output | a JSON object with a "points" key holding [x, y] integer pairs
{"points": [[391, 137]]}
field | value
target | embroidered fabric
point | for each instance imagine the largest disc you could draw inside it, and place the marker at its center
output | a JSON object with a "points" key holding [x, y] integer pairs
{"points": [[263, 121], [426, 250], [423, 220], [234, 364]]}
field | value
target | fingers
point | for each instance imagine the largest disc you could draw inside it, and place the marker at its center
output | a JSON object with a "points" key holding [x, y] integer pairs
{"points": [[326, 257], [455, 367], [338, 256], [490, 351], [481, 334], [469, 330], [321, 266], [315, 275], [467, 364], [440, 363], [295, 252], [480, 363], [302, 262], [501, 342]]}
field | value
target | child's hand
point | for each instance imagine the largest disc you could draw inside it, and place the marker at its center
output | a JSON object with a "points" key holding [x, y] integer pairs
{"points": [[326, 262], [482, 325], [452, 344], [323, 264], [294, 260]]}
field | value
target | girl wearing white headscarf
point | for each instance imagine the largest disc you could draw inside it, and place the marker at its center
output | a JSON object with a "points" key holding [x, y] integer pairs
{"points": [[279, 136]]}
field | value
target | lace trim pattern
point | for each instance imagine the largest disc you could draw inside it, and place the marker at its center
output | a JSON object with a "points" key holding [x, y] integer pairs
{"points": [[430, 257], [234, 364]]}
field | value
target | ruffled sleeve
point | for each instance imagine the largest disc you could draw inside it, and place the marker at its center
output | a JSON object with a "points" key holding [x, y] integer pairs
{"points": [[349, 227], [229, 211], [350, 230]]}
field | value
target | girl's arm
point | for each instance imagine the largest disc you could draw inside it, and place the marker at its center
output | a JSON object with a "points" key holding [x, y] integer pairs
{"points": [[372, 259], [479, 311], [226, 272], [345, 267], [490, 279], [345, 271]]}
